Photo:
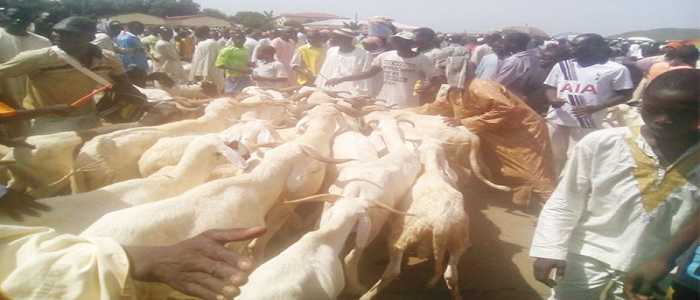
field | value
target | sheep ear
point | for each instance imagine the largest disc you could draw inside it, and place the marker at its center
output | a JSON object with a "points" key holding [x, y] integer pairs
{"points": [[233, 156], [364, 228]]}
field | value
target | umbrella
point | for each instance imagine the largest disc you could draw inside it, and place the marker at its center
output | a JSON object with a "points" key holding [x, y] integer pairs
{"points": [[532, 31]]}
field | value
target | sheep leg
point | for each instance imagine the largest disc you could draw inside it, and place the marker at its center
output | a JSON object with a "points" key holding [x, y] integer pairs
{"points": [[439, 249], [274, 220], [392, 272], [452, 275], [352, 262]]}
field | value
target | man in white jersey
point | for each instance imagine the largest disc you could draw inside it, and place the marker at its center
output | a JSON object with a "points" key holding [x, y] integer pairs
{"points": [[580, 90]]}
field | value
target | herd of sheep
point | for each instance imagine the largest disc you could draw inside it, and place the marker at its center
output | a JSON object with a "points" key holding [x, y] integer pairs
{"points": [[252, 161]]}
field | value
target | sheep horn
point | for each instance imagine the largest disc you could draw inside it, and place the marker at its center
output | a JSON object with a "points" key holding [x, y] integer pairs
{"points": [[310, 152], [399, 121], [389, 208], [87, 168], [316, 198]]}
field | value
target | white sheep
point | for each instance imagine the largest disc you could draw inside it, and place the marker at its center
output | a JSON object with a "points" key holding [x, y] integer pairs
{"points": [[118, 153], [311, 267], [380, 182], [462, 146], [242, 201], [73, 213], [168, 151], [39, 171], [435, 212]]}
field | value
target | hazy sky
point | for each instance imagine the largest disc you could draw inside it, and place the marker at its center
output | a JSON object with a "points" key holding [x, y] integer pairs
{"points": [[601, 16]]}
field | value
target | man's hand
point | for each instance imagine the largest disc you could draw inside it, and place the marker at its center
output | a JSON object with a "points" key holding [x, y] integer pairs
{"points": [[452, 122], [641, 283], [17, 205], [201, 266], [542, 267], [334, 81], [584, 110], [557, 103]]}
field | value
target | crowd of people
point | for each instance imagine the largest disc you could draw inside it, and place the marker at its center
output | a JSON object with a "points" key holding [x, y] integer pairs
{"points": [[617, 207]]}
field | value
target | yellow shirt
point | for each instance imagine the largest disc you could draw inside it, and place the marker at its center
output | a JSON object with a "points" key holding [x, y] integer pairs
{"points": [[53, 81], [310, 58]]}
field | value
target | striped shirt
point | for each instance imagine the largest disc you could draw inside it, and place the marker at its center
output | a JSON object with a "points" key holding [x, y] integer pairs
{"points": [[580, 86]]}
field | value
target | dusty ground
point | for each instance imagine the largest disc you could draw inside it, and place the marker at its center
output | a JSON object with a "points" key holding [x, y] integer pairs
{"points": [[496, 267]]}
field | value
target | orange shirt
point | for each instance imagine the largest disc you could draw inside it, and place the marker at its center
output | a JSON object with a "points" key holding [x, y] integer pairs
{"points": [[6, 110]]}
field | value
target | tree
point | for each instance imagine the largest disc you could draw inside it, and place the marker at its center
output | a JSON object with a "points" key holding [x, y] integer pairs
{"points": [[171, 8], [214, 13], [252, 19], [352, 25]]}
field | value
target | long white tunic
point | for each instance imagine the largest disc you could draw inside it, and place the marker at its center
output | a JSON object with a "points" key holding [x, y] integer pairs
{"points": [[615, 203]]}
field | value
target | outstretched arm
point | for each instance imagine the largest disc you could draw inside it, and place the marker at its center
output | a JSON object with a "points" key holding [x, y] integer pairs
{"points": [[355, 77]]}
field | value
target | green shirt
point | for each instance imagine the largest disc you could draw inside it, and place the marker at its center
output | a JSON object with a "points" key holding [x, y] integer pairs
{"points": [[232, 57]]}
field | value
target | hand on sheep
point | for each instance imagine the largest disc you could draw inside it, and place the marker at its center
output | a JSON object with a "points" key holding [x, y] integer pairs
{"points": [[334, 81], [201, 266], [17, 204], [542, 268], [453, 122]]}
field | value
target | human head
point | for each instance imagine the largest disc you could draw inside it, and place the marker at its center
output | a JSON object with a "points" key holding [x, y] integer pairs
{"points": [[403, 41], [670, 105], [552, 55], [114, 28], [687, 54], [590, 46], [373, 44], [202, 33], [238, 39], [516, 41], [493, 38], [287, 33], [74, 34], [135, 27], [314, 37], [343, 38], [425, 38], [165, 33], [266, 53], [18, 20]]}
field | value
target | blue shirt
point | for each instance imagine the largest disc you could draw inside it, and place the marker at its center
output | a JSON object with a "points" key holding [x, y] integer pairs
{"points": [[135, 51]]}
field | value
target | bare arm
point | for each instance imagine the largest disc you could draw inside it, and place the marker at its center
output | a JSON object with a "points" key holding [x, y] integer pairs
{"points": [[355, 77], [640, 282]]}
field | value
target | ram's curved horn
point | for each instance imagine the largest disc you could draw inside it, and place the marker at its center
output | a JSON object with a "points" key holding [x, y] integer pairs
{"points": [[316, 198], [409, 122], [310, 152], [389, 208], [374, 107], [185, 108]]}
